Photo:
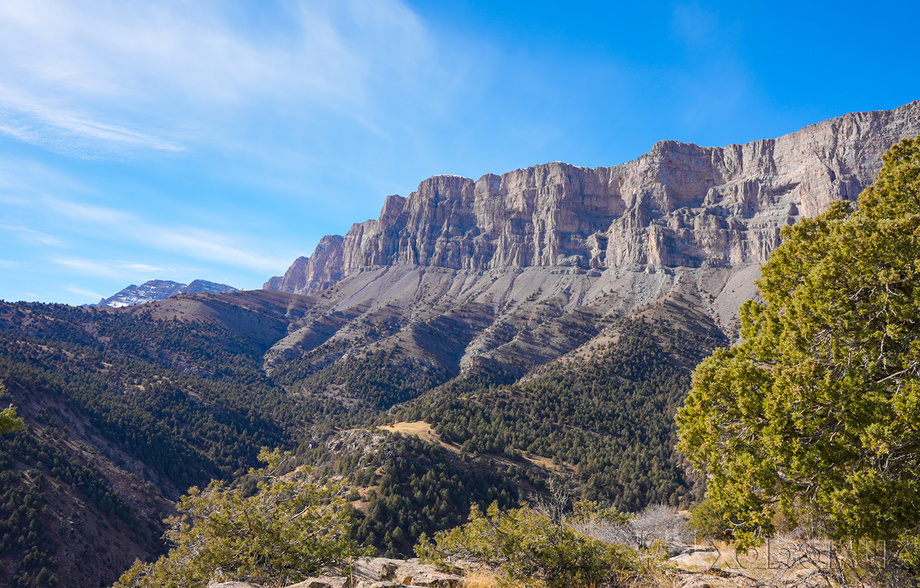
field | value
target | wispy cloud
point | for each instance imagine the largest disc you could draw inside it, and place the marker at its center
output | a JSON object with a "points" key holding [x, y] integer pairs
{"points": [[88, 267], [84, 292], [697, 27], [209, 246], [712, 78], [126, 270], [31, 235], [190, 242], [144, 268], [46, 207], [102, 77], [110, 218], [66, 132]]}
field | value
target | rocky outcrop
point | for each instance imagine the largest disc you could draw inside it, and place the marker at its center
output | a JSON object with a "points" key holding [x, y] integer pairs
{"points": [[507, 273], [311, 274], [680, 205], [378, 572]]}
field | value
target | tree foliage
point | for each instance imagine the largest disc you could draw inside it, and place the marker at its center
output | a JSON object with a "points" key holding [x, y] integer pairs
{"points": [[531, 549], [290, 529], [9, 422], [408, 486], [817, 412], [610, 415]]}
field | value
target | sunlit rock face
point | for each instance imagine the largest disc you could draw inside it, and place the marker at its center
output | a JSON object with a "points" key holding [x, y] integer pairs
{"points": [[679, 205], [515, 270]]}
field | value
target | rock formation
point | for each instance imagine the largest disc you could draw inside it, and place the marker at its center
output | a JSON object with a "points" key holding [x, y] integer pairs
{"points": [[509, 272], [152, 290], [680, 205], [311, 274], [378, 572]]}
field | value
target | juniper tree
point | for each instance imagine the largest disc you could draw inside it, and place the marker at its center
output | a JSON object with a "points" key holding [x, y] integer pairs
{"points": [[8, 420], [816, 413], [291, 528]]}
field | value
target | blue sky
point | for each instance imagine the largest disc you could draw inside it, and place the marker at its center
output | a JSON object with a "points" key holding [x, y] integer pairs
{"points": [[222, 139]]}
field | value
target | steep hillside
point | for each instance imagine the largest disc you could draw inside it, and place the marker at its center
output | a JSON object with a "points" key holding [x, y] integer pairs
{"points": [[539, 324], [603, 414], [508, 272], [124, 411]]}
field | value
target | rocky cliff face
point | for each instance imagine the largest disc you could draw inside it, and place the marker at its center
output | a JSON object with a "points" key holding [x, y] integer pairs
{"points": [[680, 205], [509, 272]]}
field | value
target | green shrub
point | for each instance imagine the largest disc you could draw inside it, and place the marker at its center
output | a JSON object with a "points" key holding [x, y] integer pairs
{"points": [[710, 520], [531, 550], [292, 528]]}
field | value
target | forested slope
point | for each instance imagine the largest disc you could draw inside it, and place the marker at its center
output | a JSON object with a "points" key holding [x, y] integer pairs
{"points": [[125, 410], [123, 414], [603, 415]]}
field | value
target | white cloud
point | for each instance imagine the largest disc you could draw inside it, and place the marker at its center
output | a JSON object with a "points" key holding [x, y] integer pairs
{"points": [[68, 134], [89, 213], [697, 27], [125, 270], [712, 79], [210, 246], [188, 241], [101, 77], [144, 268], [33, 236], [34, 197], [88, 267], [84, 292], [23, 181]]}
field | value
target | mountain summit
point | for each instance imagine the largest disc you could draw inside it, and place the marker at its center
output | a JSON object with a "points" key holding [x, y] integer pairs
{"points": [[512, 271], [152, 290], [678, 206]]}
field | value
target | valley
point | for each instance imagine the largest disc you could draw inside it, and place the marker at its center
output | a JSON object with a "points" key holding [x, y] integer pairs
{"points": [[476, 341]]}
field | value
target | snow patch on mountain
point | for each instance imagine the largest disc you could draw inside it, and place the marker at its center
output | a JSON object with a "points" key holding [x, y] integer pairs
{"points": [[153, 290]]}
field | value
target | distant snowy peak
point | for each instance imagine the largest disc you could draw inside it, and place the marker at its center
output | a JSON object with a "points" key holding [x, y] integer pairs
{"points": [[205, 286], [161, 290]]}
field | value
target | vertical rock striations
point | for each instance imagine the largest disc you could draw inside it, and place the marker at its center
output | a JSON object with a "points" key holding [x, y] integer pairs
{"points": [[503, 274], [311, 274], [680, 205]]}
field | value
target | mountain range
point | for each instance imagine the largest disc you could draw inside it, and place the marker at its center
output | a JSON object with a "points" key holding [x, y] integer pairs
{"points": [[512, 271], [160, 290], [477, 339]]}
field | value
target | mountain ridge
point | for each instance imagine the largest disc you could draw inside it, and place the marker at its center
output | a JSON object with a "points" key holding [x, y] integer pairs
{"points": [[525, 367], [152, 290], [679, 205], [506, 273]]}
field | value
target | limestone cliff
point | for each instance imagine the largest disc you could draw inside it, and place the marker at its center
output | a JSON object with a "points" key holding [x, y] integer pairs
{"points": [[311, 274], [507, 273], [680, 205]]}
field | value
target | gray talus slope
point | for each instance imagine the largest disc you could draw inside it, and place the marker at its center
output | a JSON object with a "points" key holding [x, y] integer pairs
{"points": [[511, 271]]}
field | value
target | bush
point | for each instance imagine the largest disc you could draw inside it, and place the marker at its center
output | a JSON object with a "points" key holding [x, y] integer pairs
{"points": [[710, 520], [292, 528], [531, 550]]}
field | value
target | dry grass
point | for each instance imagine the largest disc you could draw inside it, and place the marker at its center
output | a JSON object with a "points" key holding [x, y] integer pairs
{"points": [[479, 580], [423, 431], [419, 429]]}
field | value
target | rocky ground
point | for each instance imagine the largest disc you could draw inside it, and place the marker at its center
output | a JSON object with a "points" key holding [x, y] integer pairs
{"points": [[695, 567]]}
